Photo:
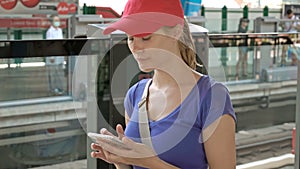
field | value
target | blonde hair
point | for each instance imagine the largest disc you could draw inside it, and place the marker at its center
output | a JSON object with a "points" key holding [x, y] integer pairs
{"points": [[187, 47], [185, 43]]}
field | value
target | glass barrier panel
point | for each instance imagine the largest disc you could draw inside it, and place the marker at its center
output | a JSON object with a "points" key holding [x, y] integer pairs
{"points": [[35, 145], [107, 69], [36, 134], [36, 77]]}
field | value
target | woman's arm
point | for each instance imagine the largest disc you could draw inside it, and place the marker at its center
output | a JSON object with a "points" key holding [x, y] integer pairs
{"points": [[139, 155], [153, 162], [122, 166], [220, 145]]}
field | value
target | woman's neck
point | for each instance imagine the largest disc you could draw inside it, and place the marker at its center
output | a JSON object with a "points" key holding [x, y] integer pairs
{"points": [[179, 74], [162, 79]]}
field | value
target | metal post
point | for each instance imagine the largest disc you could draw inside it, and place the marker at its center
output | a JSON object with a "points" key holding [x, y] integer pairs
{"points": [[224, 18], [224, 28], [72, 27], [297, 150], [94, 10], [92, 111], [8, 38], [203, 11], [245, 12], [266, 11], [69, 27], [84, 9], [18, 36]]}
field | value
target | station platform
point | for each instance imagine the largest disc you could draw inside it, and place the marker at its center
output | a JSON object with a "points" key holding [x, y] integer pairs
{"points": [[79, 164], [244, 139]]}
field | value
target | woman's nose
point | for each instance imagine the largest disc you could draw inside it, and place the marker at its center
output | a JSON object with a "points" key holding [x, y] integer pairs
{"points": [[137, 45]]}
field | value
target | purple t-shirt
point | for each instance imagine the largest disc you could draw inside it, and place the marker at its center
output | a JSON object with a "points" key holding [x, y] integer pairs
{"points": [[177, 137]]}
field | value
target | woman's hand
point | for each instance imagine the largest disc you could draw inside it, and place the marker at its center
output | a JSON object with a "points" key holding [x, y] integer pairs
{"points": [[138, 154], [99, 152]]}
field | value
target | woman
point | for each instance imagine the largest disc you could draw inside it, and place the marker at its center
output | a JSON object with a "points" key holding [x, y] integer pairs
{"points": [[243, 50], [191, 119]]}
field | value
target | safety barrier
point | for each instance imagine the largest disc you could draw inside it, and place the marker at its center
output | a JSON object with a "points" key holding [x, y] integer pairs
{"points": [[274, 162], [293, 140]]}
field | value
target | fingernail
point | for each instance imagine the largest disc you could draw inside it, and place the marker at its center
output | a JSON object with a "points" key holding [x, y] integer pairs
{"points": [[103, 130]]}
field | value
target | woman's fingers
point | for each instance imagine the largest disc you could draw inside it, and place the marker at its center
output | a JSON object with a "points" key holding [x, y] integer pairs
{"points": [[120, 131], [105, 131], [96, 147], [98, 152]]}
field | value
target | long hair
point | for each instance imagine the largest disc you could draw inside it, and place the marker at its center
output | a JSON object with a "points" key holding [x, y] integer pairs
{"points": [[184, 41], [187, 47]]}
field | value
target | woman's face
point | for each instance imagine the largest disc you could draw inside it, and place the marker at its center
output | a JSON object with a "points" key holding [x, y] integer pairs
{"points": [[153, 51]]}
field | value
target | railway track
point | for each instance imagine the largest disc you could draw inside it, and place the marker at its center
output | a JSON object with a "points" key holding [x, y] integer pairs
{"points": [[255, 145]]}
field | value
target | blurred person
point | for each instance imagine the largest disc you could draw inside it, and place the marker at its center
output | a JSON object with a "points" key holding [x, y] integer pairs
{"points": [[188, 116], [243, 49], [55, 64], [289, 27], [293, 25], [294, 59]]}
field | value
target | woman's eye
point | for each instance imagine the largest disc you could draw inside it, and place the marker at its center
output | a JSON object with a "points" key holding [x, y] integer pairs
{"points": [[146, 38], [130, 38]]}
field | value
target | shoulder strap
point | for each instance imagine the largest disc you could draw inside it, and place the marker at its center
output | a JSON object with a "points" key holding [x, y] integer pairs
{"points": [[143, 118]]}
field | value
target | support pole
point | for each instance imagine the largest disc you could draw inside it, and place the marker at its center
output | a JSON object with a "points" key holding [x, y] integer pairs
{"points": [[224, 58], [203, 10], [245, 11], [266, 11], [224, 18], [297, 115]]}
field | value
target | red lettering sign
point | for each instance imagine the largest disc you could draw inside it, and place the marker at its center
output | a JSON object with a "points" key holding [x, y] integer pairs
{"points": [[8, 4], [62, 8], [72, 8], [30, 3], [28, 23]]}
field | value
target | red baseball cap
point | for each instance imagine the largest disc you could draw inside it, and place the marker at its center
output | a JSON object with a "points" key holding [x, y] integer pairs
{"points": [[143, 17]]}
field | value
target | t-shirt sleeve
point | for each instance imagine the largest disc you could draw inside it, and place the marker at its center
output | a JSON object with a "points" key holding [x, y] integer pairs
{"points": [[133, 96], [128, 101], [216, 104]]}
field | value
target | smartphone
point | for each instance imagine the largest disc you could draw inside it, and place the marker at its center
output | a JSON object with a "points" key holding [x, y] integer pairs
{"points": [[112, 140]]}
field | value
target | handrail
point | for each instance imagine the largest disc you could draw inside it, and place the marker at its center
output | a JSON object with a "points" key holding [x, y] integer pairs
{"points": [[74, 46], [79, 47]]}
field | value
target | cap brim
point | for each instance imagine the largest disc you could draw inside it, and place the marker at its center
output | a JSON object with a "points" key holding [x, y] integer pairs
{"points": [[141, 24]]}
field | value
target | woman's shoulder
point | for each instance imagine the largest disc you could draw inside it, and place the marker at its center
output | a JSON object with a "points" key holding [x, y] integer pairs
{"points": [[207, 82], [133, 95], [138, 87]]}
